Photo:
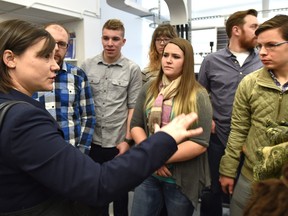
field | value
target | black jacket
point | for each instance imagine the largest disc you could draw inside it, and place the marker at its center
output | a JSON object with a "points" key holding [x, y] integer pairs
{"points": [[36, 163]]}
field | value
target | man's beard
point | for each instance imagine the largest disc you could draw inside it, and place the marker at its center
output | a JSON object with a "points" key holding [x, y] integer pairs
{"points": [[58, 60], [247, 44]]}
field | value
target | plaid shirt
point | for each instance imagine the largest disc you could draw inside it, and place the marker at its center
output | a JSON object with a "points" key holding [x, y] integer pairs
{"points": [[71, 104], [284, 87]]}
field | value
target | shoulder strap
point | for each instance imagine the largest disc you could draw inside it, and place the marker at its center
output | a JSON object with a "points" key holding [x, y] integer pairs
{"points": [[5, 106]]}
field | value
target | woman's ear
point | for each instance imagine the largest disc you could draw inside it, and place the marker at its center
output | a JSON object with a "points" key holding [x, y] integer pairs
{"points": [[9, 59]]}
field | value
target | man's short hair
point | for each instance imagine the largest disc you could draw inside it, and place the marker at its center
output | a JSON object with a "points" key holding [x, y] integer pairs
{"points": [[237, 19], [279, 21], [114, 24]]}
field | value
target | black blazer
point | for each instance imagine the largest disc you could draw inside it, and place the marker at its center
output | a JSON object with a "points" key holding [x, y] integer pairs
{"points": [[36, 162]]}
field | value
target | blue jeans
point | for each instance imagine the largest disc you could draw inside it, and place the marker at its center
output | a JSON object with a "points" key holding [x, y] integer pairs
{"points": [[150, 196]]}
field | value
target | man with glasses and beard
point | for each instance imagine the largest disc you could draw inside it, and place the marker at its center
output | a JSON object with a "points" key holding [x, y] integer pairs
{"points": [[220, 74], [70, 102]]}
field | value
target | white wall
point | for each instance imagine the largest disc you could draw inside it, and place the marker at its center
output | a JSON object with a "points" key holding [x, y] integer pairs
{"points": [[92, 37], [136, 33]]}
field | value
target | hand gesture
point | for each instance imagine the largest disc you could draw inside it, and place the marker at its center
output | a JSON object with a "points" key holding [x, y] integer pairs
{"points": [[177, 128]]}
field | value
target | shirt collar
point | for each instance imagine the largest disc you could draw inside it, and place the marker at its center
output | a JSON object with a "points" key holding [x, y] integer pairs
{"points": [[229, 53], [275, 80], [63, 68], [119, 61]]}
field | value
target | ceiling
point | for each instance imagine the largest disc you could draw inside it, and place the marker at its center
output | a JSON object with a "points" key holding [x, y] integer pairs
{"points": [[209, 8], [16, 11], [198, 9]]}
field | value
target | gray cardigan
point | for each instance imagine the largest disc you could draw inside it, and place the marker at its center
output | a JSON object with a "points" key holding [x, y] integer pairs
{"points": [[191, 175]]}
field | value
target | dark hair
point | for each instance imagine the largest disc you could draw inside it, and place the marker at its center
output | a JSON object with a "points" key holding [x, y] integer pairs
{"points": [[17, 36], [114, 24], [269, 197], [279, 21], [237, 19]]}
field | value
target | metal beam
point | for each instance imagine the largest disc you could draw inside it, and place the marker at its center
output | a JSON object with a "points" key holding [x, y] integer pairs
{"points": [[130, 7], [265, 8], [178, 12]]}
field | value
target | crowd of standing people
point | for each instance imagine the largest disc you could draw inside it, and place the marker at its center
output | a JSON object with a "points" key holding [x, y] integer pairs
{"points": [[172, 139]]}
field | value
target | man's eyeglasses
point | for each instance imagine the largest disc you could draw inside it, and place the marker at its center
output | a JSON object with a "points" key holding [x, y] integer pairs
{"points": [[163, 40], [62, 44], [270, 46]]}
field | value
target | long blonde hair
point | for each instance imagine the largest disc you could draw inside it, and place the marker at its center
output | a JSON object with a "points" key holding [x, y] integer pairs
{"points": [[185, 99]]}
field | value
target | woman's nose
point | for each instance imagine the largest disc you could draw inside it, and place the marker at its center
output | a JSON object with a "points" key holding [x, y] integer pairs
{"points": [[54, 66]]}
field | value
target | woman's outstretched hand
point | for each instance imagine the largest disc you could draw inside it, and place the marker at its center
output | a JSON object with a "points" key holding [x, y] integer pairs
{"points": [[177, 128]]}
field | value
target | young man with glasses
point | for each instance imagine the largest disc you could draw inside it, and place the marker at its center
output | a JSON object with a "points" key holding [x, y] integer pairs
{"points": [[261, 97], [70, 102], [220, 74]]}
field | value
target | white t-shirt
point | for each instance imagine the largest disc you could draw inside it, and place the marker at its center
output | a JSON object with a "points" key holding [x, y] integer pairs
{"points": [[241, 57]]}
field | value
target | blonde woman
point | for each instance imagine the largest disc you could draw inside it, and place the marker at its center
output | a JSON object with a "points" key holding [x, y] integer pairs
{"points": [[174, 91]]}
